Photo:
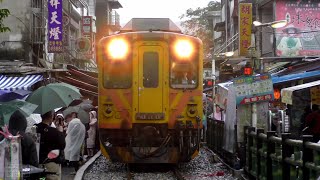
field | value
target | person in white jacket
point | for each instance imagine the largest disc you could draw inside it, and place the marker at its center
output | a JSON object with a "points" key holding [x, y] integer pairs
{"points": [[91, 140], [75, 138]]}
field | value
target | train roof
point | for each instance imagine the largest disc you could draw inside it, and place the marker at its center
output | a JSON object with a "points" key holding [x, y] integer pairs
{"points": [[150, 24]]}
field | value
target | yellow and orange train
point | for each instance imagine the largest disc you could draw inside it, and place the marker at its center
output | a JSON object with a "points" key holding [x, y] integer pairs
{"points": [[150, 93]]}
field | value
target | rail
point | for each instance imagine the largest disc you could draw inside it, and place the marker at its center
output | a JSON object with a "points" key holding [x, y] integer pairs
{"points": [[272, 157]]}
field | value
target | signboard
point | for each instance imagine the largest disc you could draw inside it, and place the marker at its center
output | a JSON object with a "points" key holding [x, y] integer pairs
{"points": [[245, 23], [252, 89], [301, 36], [87, 32], [315, 95], [55, 26], [222, 94], [86, 25], [207, 73]]}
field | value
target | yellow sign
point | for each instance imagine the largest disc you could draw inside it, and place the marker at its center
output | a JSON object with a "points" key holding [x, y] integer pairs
{"points": [[315, 95], [245, 23]]}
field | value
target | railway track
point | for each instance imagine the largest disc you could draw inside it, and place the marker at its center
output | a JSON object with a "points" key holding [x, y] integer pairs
{"points": [[177, 173], [199, 168]]}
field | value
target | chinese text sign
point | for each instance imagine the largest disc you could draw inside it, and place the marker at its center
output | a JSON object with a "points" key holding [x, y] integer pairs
{"points": [[245, 22], [301, 36], [55, 26], [253, 89]]}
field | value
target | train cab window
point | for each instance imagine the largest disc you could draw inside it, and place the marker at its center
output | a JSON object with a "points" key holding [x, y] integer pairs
{"points": [[117, 75], [150, 69], [184, 75]]}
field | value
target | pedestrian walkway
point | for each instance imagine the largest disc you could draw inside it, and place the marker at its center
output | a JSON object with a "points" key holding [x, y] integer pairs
{"points": [[68, 170], [66, 173]]}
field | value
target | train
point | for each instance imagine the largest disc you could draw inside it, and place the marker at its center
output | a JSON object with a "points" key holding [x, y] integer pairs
{"points": [[150, 87]]}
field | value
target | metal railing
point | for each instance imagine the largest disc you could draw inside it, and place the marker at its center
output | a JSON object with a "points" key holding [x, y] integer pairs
{"points": [[271, 157], [225, 45]]}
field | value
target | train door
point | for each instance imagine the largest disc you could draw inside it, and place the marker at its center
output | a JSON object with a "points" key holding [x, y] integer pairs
{"points": [[150, 83]]}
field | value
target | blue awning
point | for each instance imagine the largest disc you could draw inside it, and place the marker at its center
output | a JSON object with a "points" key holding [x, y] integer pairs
{"points": [[292, 77], [13, 83]]}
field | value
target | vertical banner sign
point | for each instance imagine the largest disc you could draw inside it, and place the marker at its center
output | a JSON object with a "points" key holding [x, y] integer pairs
{"points": [[87, 33], [55, 26], [301, 36], [86, 25], [245, 23]]}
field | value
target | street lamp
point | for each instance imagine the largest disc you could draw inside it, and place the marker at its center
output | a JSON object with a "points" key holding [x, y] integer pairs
{"points": [[274, 24]]}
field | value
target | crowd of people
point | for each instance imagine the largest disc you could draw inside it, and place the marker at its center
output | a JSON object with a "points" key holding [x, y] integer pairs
{"points": [[66, 134]]}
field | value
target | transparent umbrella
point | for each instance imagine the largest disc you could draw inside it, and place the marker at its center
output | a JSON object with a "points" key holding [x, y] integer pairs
{"points": [[82, 114], [8, 108]]}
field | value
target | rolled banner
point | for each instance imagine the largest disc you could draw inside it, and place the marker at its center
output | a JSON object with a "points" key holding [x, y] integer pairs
{"points": [[3, 145], [13, 160]]}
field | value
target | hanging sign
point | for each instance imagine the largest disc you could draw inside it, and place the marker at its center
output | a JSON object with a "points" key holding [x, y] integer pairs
{"points": [[245, 23], [55, 26], [253, 89]]}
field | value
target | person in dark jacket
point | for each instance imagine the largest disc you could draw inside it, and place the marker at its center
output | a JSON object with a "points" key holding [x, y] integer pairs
{"points": [[51, 139], [313, 122], [18, 125]]}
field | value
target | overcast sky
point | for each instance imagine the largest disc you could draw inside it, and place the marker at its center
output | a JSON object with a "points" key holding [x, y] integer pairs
{"points": [[156, 8]]}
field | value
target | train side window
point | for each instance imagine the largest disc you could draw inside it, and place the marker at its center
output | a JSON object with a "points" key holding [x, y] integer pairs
{"points": [[150, 69], [184, 75], [117, 75]]}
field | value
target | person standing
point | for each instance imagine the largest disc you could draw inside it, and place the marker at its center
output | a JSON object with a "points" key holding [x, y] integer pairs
{"points": [[92, 133], [51, 139], [18, 126], [313, 122], [76, 132]]}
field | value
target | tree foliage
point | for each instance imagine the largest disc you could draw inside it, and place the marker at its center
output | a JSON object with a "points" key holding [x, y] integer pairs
{"points": [[3, 14], [198, 23]]}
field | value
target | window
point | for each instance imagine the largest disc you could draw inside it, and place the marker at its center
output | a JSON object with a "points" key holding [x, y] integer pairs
{"points": [[117, 75], [150, 69], [184, 74]]}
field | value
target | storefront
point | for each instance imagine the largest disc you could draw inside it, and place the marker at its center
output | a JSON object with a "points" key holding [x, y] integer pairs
{"points": [[17, 87], [297, 98]]}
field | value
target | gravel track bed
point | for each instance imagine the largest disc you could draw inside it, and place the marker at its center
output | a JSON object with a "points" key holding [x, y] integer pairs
{"points": [[199, 168]]}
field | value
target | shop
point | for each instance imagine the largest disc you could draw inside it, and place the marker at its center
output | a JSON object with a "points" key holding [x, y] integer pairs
{"points": [[297, 98]]}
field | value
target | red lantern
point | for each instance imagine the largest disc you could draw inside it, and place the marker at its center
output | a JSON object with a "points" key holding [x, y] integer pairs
{"points": [[276, 93], [209, 83]]}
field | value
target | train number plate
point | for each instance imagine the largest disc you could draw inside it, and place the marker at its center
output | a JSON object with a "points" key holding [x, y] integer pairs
{"points": [[149, 116]]}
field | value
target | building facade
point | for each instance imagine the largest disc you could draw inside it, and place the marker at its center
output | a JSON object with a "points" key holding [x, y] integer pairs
{"points": [[28, 40]]}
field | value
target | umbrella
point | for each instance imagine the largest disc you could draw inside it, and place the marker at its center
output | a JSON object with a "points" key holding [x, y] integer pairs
{"points": [[53, 96], [8, 108], [82, 114], [6, 95]]}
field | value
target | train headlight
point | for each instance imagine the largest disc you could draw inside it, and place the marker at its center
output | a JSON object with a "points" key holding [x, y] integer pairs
{"points": [[118, 49], [183, 48]]}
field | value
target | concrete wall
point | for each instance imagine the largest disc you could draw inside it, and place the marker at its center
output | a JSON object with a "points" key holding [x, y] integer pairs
{"points": [[15, 45]]}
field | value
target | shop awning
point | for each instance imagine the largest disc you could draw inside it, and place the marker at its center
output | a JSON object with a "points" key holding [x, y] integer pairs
{"points": [[13, 83], [287, 93], [293, 77]]}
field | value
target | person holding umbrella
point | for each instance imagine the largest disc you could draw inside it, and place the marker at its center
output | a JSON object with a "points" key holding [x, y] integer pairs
{"points": [[75, 137]]}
